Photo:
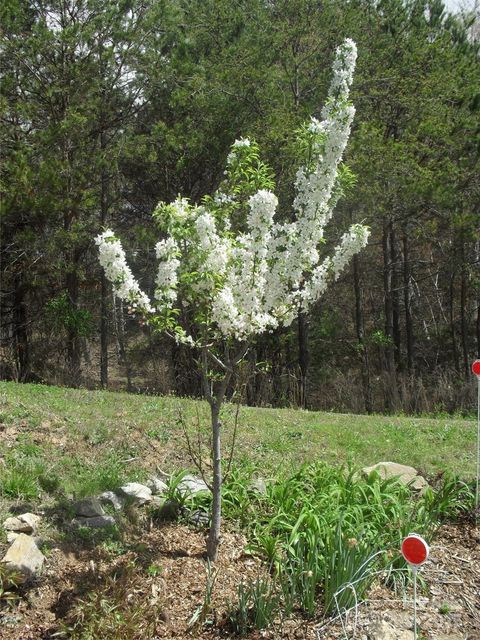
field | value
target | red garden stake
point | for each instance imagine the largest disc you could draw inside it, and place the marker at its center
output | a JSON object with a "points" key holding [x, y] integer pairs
{"points": [[415, 551], [476, 371]]}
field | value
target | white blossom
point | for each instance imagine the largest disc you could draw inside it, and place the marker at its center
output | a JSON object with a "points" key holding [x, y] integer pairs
{"points": [[264, 275]]}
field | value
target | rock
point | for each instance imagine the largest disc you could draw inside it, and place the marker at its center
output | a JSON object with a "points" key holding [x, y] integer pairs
{"points": [[258, 486], [406, 475], [138, 493], [31, 519], [383, 630], [89, 508], [97, 522], [192, 484], [169, 510], [17, 525], [12, 536], [25, 556], [157, 486], [109, 497], [199, 518]]}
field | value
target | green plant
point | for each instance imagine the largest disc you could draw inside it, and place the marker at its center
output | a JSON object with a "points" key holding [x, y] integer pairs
{"points": [[444, 609], [154, 570], [10, 579], [257, 606], [202, 613]]}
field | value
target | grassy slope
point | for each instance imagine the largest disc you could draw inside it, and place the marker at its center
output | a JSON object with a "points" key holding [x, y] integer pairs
{"points": [[72, 429]]}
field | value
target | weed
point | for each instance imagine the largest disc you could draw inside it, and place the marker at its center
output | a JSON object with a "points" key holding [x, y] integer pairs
{"points": [[257, 606], [202, 614], [10, 579]]}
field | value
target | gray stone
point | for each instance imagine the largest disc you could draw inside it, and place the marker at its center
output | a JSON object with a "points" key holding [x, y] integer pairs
{"points": [[383, 630], [157, 486], [109, 497], [258, 486], [31, 519], [192, 484], [18, 525], [25, 556], [199, 518], [138, 493], [89, 508], [97, 522], [406, 475], [12, 536]]}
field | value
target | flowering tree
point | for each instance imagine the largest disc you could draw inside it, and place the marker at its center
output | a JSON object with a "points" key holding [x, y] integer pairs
{"points": [[229, 271]]}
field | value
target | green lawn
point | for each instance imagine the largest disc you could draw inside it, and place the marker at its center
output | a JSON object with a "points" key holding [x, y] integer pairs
{"points": [[82, 441]]}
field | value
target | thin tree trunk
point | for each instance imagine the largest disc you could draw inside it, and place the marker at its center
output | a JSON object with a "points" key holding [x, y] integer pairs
{"points": [[214, 533], [104, 289], [452, 322], [391, 390], [407, 302], [22, 348], [463, 315], [396, 335], [119, 324], [73, 342], [303, 355], [359, 324]]}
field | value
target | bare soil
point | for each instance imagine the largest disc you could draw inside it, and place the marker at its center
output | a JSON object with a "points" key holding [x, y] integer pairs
{"points": [[161, 574]]}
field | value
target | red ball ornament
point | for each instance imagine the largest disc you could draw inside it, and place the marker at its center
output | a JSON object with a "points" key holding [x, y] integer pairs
{"points": [[415, 550], [476, 367]]}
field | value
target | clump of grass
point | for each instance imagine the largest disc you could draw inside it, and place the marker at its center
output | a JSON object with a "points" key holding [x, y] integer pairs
{"points": [[10, 580]]}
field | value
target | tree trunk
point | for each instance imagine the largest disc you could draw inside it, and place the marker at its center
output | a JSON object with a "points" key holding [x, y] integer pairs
{"points": [[391, 390], [407, 302], [463, 315], [303, 356], [359, 324], [452, 322], [395, 298], [119, 324], [73, 342], [104, 292], [22, 349], [214, 533]]}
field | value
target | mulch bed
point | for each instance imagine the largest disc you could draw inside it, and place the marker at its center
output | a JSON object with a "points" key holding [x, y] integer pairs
{"points": [[450, 608]]}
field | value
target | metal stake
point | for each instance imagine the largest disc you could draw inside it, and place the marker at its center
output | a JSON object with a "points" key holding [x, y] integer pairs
{"points": [[414, 569]]}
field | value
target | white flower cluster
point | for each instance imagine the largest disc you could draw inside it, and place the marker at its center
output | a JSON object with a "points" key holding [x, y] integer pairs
{"points": [[112, 258], [261, 278], [167, 278]]}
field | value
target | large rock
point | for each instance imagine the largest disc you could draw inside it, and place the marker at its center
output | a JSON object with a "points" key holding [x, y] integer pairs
{"points": [[406, 475], [109, 497], [25, 556], [192, 484], [157, 486], [138, 493], [258, 486], [97, 522], [17, 525], [383, 630], [89, 508]]}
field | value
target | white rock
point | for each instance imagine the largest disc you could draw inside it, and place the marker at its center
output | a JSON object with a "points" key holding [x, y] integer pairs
{"points": [[25, 556], [112, 498], [406, 475], [89, 508], [157, 486], [139, 493], [383, 630], [97, 522], [18, 525], [192, 484]]}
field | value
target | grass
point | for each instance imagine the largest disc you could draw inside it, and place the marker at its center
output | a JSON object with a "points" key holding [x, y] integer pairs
{"points": [[81, 442], [318, 528]]}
